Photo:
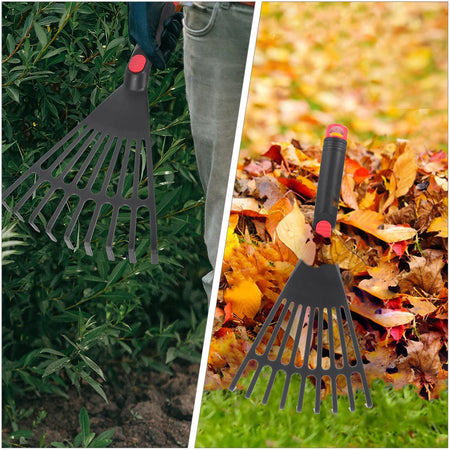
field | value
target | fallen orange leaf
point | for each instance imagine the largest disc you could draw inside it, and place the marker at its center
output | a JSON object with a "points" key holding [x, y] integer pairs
{"points": [[245, 299]]}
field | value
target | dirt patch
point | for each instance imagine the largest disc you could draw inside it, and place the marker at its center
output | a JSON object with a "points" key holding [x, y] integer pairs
{"points": [[146, 410]]}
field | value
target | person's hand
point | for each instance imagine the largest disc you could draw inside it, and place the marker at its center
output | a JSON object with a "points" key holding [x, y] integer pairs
{"points": [[143, 21]]}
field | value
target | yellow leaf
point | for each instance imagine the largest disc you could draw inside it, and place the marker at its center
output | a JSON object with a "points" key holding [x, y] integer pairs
{"points": [[405, 169], [289, 154], [245, 299], [372, 222], [439, 225], [395, 233], [294, 233]]}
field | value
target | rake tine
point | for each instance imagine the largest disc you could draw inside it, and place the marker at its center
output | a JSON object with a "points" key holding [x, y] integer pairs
{"points": [[71, 146], [306, 358], [287, 332], [319, 338], [287, 382], [111, 233], [332, 358], [253, 382], [89, 158], [152, 205], [136, 170], [348, 316], [255, 344], [78, 155], [36, 165], [123, 169], [99, 163], [317, 402], [54, 218], [342, 337], [301, 394], [238, 374], [309, 337], [331, 338], [277, 328], [269, 386], [24, 199], [39, 207], [298, 335], [133, 213], [90, 231], [59, 144], [132, 238], [72, 223], [334, 394], [13, 187], [351, 399], [112, 163], [319, 357]]}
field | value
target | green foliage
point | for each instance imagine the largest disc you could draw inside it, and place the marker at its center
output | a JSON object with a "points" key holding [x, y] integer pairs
{"points": [[398, 419], [70, 319], [86, 439], [11, 242]]}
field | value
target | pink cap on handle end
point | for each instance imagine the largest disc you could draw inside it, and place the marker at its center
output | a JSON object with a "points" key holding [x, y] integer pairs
{"points": [[137, 63], [336, 130], [324, 228]]}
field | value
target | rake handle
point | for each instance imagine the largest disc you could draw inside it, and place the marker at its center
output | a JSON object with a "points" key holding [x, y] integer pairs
{"points": [[138, 69], [330, 179]]}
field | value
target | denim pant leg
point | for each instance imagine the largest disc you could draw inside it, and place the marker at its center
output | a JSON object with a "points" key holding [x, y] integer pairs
{"points": [[216, 36]]}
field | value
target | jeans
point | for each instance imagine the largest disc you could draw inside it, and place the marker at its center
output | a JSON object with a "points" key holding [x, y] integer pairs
{"points": [[216, 36]]}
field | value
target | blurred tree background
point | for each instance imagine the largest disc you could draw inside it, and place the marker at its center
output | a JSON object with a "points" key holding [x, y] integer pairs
{"points": [[70, 319], [378, 68]]}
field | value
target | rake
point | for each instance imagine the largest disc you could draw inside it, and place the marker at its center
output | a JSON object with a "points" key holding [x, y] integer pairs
{"points": [[312, 299], [113, 139]]}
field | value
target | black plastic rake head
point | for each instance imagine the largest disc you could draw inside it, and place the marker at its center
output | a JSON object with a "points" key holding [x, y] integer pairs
{"points": [[309, 339], [310, 312], [105, 160]]}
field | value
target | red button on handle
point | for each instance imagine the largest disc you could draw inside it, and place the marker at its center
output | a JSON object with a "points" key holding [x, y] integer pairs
{"points": [[137, 63], [324, 228], [336, 130]]}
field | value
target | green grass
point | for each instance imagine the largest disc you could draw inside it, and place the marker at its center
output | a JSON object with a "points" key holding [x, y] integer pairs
{"points": [[398, 419]]}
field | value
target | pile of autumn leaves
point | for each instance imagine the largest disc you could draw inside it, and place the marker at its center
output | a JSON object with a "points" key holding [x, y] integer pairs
{"points": [[390, 243]]}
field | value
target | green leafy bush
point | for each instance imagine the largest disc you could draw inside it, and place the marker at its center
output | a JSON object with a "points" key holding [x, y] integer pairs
{"points": [[69, 318]]}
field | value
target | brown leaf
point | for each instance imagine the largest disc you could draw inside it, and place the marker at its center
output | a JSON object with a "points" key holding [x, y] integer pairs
{"points": [[383, 277], [387, 318], [343, 253], [277, 213], [424, 273], [269, 190], [421, 306], [348, 191]]}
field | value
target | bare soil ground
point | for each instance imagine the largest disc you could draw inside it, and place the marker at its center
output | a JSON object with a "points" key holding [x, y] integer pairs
{"points": [[146, 410]]}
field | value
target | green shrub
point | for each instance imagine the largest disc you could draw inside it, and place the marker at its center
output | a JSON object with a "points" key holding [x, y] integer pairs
{"points": [[69, 318]]}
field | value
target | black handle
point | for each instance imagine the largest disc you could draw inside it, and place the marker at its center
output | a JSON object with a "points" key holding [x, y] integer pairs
{"points": [[330, 179], [138, 69]]}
